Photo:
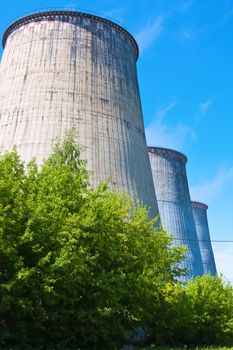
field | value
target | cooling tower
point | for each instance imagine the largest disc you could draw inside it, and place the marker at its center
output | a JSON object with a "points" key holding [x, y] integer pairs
{"points": [[203, 234], [172, 191], [64, 69]]}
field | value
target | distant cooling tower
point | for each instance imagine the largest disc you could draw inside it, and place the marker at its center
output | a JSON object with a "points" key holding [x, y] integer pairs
{"points": [[64, 69], [202, 228], [172, 191]]}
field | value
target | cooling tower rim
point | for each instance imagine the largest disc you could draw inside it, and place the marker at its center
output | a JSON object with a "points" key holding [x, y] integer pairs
{"points": [[168, 151], [49, 14], [199, 205]]}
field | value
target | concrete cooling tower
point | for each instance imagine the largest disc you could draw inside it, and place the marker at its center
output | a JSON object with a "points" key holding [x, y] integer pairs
{"points": [[203, 234], [64, 69], [172, 191]]}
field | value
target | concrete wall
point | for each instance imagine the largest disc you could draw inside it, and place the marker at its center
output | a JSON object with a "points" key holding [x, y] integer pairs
{"points": [[172, 191], [203, 234], [65, 69]]}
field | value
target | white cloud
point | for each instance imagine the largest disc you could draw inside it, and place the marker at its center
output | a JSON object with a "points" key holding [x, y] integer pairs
{"points": [[116, 13], [227, 15], [223, 253], [212, 188], [204, 106], [161, 133], [161, 113], [71, 5], [150, 32], [184, 6], [187, 34], [153, 30]]}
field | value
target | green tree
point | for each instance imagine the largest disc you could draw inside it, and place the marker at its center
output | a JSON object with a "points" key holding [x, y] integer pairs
{"points": [[211, 303], [197, 314], [80, 268]]}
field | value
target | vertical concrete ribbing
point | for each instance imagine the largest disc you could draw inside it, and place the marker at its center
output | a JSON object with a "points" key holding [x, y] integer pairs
{"points": [[203, 234], [64, 69], [172, 191]]}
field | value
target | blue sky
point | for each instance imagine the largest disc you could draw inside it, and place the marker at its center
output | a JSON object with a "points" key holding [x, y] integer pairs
{"points": [[185, 73]]}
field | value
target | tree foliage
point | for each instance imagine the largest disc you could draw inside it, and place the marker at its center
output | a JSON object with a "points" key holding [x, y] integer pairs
{"points": [[80, 268], [197, 314]]}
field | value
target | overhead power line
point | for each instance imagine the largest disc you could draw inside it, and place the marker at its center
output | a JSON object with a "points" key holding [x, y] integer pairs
{"points": [[154, 236]]}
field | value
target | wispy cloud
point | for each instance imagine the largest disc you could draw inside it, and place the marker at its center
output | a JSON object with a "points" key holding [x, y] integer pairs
{"points": [[150, 32], [162, 111], [184, 6], [162, 133], [117, 13], [212, 188], [202, 110], [227, 15], [186, 34], [204, 106], [224, 259], [71, 5], [153, 30]]}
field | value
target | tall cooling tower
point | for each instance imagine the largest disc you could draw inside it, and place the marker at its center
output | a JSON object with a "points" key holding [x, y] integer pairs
{"points": [[172, 191], [203, 234], [64, 69]]}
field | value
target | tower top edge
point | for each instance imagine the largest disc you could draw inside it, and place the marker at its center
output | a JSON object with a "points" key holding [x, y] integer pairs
{"points": [[199, 205], [66, 14], [161, 151]]}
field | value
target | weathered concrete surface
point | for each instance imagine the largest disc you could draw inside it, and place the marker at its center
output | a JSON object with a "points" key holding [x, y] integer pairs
{"points": [[62, 70], [203, 234], [172, 191]]}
